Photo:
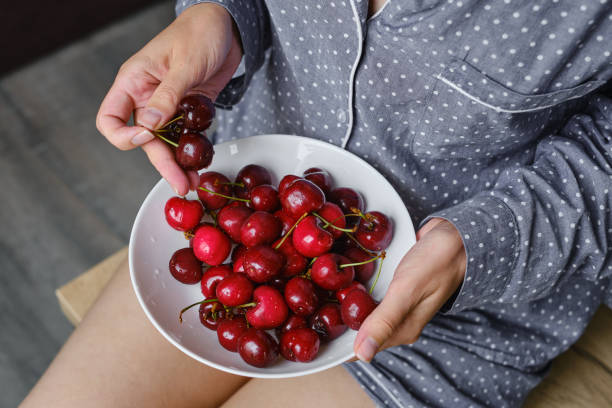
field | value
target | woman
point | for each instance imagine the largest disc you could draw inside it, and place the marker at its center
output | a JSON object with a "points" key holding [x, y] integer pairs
{"points": [[492, 122]]}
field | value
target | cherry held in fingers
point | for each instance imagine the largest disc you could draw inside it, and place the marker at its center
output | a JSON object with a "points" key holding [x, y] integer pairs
{"points": [[198, 112], [182, 214], [185, 267], [257, 347], [194, 151]]}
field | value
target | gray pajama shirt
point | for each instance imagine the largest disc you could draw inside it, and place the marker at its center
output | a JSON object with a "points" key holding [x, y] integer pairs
{"points": [[491, 114]]}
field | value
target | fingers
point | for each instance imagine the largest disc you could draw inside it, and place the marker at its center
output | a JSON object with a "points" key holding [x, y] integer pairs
{"points": [[162, 105], [163, 159], [115, 111], [431, 224], [425, 278]]}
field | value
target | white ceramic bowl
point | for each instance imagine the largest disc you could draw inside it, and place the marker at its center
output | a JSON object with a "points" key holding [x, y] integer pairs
{"points": [[153, 242]]}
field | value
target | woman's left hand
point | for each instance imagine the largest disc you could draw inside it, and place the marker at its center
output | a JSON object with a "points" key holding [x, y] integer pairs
{"points": [[428, 275]]}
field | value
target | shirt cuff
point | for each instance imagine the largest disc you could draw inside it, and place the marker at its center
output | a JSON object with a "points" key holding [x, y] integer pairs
{"points": [[250, 23], [490, 237]]}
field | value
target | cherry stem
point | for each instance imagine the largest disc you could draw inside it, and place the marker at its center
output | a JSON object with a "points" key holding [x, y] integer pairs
{"points": [[188, 235], [170, 142], [329, 224], [356, 241], [357, 212], [312, 260], [284, 238], [194, 304], [173, 120], [241, 185], [381, 256], [251, 304], [377, 274], [225, 196]]}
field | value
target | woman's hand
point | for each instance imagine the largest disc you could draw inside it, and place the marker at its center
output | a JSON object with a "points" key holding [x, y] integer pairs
{"points": [[198, 53], [428, 275]]}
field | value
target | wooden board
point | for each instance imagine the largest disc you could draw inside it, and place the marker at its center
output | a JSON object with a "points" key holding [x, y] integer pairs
{"points": [[78, 295]]}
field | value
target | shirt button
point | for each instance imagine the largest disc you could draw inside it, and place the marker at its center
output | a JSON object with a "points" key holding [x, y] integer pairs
{"points": [[341, 115]]}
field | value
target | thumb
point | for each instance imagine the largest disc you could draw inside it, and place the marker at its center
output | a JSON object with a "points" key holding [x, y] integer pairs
{"points": [[383, 321], [162, 105]]}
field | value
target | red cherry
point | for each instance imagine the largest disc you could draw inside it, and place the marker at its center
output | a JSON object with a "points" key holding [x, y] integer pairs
{"points": [[262, 263], [356, 306], [292, 322], [194, 151], [327, 322], [236, 289], [238, 258], [320, 177], [341, 293], [212, 277], [251, 176], [217, 182], [347, 199], [288, 179], [364, 272], [185, 267], [182, 214], [300, 345], [257, 348], [300, 296], [264, 198], [309, 239], [198, 112], [211, 245], [302, 196], [194, 230], [260, 228], [374, 231], [278, 283], [327, 273], [211, 314], [286, 219], [270, 309], [295, 262], [231, 218], [333, 214], [229, 331]]}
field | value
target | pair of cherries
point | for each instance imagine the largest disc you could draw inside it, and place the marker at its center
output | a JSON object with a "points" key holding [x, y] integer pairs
{"points": [[304, 252], [186, 132]]}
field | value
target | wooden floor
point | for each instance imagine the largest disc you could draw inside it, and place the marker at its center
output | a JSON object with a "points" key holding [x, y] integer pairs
{"points": [[67, 197]]}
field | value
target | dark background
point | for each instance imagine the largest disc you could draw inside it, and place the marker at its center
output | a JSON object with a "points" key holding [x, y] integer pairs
{"points": [[67, 197]]}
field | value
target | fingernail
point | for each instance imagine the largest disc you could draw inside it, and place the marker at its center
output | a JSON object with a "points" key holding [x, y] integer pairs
{"points": [[142, 138], [150, 118], [367, 349]]}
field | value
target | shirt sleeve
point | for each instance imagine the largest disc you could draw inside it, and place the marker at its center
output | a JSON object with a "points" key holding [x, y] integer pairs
{"points": [[252, 20], [544, 223]]}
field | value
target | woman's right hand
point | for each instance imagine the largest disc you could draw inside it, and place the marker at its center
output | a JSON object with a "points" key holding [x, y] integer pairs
{"points": [[198, 53]]}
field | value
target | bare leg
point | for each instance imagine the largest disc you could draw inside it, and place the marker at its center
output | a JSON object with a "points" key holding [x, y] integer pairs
{"points": [[331, 388], [116, 358]]}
